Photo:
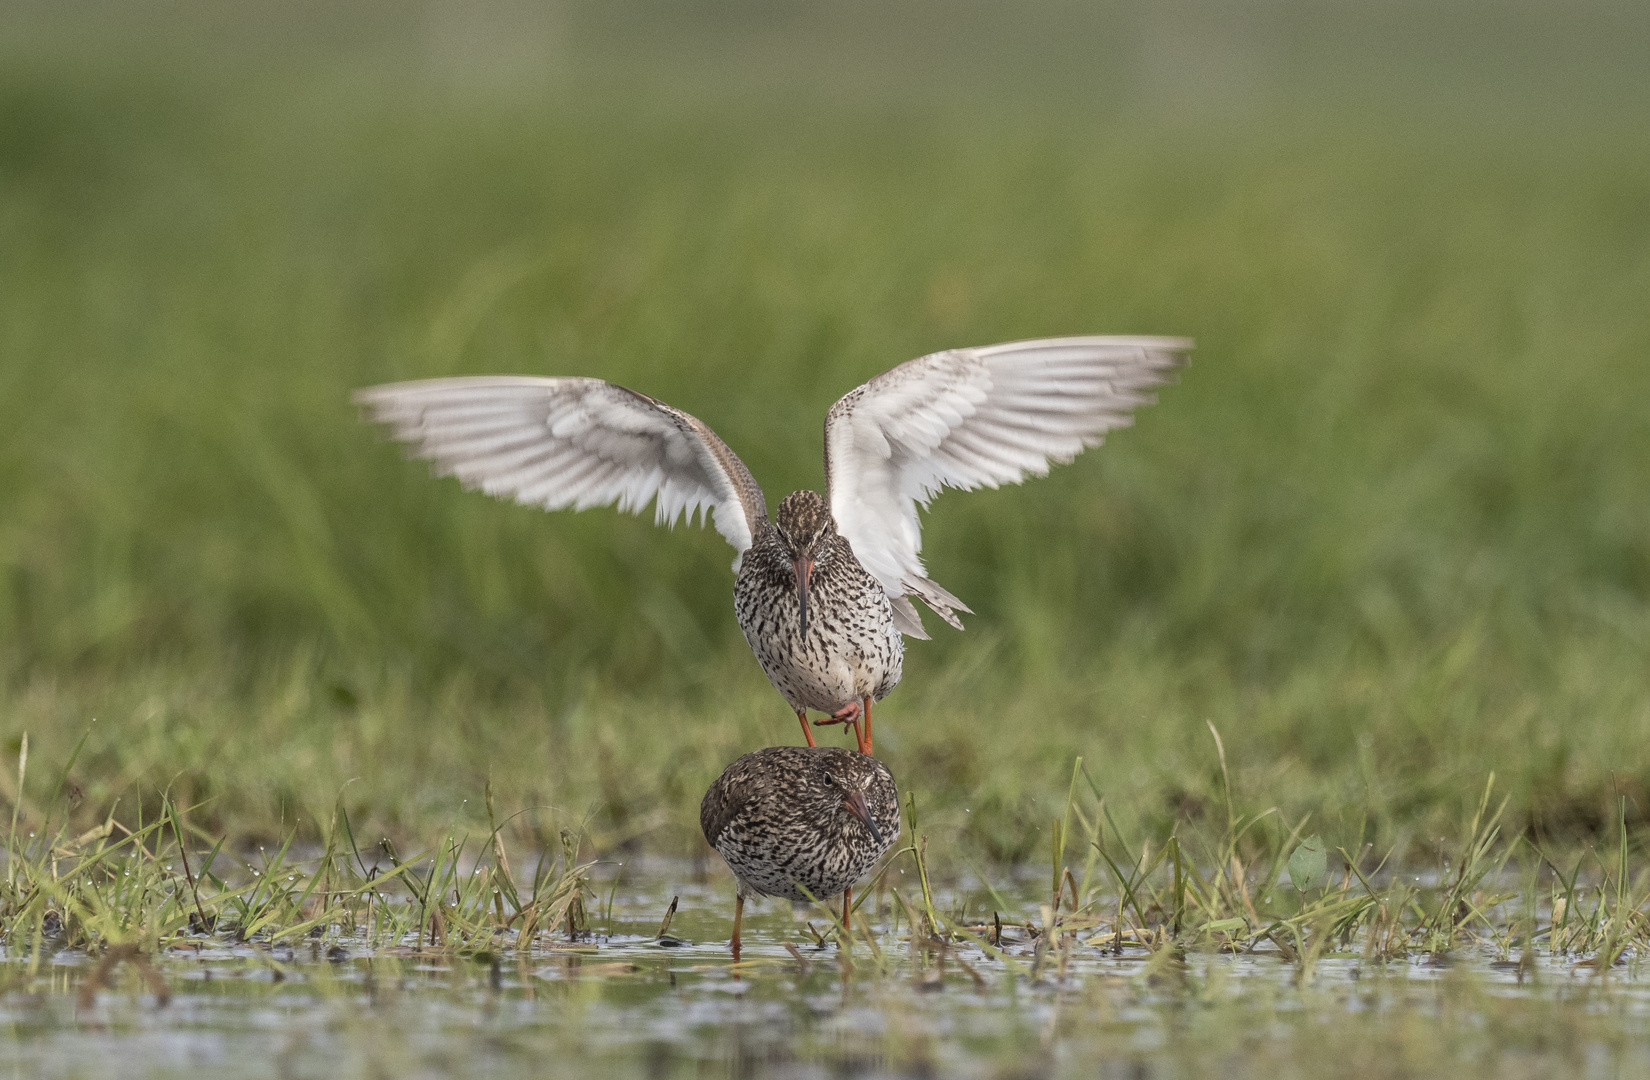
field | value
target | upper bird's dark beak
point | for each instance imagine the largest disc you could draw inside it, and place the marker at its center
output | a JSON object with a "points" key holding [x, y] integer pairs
{"points": [[804, 571], [857, 806]]}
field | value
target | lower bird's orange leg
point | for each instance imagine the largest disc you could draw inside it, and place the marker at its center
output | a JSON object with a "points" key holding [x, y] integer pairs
{"points": [[807, 732], [847, 907], [738, 917], [865, 742]]}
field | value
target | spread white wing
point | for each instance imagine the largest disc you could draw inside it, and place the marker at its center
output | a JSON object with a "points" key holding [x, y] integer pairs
{"points": [[972, 418], [571, 443]]}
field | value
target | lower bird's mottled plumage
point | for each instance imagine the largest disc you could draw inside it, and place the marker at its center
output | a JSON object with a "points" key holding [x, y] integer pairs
{"points": [[800, 822]]}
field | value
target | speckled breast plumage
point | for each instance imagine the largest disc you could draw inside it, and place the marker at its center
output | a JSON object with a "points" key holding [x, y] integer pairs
{"points": [[777, 817], [851, 651]]}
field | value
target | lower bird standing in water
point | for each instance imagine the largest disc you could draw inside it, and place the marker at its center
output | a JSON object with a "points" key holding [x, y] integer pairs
{"points": [[800, 823]]}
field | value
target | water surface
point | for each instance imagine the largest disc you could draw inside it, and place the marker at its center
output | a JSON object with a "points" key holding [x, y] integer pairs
{"points": [[621, 1003]]}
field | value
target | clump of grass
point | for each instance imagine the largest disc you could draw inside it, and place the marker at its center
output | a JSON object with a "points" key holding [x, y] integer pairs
{"points": [[1274, 890], [130, 890]]}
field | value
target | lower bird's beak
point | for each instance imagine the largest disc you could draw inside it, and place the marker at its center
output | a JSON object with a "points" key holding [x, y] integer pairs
{"points": [[804, 571], [857, 806]]}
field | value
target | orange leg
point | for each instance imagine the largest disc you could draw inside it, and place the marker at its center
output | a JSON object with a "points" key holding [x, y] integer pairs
{"points": [[847, 908], [738, 917], [807, 732], [865, 743], [848, 716]]}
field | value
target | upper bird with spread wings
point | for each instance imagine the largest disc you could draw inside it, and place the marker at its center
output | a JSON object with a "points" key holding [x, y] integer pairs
{"points": [[963, 418]]}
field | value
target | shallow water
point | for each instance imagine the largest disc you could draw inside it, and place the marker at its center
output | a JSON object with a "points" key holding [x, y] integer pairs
{"points": [[623, 1004]]}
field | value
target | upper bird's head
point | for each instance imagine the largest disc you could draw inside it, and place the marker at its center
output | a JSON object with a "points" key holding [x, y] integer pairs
{"points": [[805, 528], [804, 523]]}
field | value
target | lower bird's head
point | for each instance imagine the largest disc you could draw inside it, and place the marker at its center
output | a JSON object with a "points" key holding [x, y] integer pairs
{"points": [[853, 789], [805, 528]]}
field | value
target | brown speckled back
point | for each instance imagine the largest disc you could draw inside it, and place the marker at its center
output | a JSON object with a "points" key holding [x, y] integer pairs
{"points": [[777, 816]]}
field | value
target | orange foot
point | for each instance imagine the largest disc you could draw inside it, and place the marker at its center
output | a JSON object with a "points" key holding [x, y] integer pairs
{"points": [[849, 715]]}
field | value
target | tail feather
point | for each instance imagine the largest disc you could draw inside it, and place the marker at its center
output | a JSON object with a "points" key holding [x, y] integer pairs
{"points": [[936, 597], [906, 619]]}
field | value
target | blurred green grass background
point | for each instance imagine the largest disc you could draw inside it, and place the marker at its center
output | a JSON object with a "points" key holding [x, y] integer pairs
{"points": [[1389, 533]]}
